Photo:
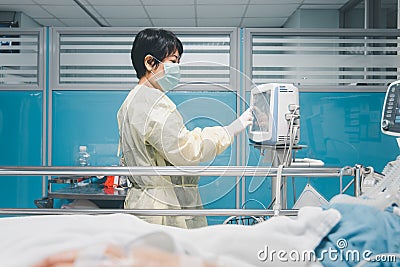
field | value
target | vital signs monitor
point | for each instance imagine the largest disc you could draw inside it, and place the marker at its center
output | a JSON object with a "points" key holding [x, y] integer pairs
{"points": [[276, 114]]}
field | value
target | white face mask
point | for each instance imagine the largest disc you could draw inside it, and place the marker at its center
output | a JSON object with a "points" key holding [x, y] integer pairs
{"points": [[171, 77]]}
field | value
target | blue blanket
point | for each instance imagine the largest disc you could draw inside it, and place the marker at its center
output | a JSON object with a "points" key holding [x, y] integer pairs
{"points": [[362, 233]]}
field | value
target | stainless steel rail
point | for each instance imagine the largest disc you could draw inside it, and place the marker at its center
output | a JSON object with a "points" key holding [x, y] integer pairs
{"points": [[233, 171], [146, 212], [170, 170]]}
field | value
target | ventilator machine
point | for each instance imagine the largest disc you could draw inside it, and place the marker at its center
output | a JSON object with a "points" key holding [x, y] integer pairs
{"points": [[383, 189], [390, 123]]}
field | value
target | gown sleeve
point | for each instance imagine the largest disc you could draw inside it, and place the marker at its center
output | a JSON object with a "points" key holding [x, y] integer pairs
{"points": [[166, 132]]}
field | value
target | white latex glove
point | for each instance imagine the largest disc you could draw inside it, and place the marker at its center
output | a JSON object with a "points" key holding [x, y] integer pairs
{"points": [[241, 123]]}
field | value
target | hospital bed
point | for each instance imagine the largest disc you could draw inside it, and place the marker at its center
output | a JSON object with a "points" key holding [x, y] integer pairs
{"points": [[37, 237]]}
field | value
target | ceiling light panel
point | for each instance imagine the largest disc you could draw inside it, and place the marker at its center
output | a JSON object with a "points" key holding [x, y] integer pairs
{"points": [[270, 10], [72, 12], [79, 22], [162, 12], [321, 2], [220, 11], [279, 2], [219, 22], [119, 12], [129, 22], [174, 22], [169, 2], [115, 2], [222, 2], [56, 2]]}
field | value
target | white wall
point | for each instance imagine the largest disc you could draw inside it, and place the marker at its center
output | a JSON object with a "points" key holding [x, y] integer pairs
{"points": [[313, 18], [25, 21]]}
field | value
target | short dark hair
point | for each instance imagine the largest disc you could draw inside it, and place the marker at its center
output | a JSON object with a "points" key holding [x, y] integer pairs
{"points": [[159, 43]]}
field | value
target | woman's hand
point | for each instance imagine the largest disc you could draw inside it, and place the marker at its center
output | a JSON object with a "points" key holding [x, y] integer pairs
{"points": [[241, 123]]}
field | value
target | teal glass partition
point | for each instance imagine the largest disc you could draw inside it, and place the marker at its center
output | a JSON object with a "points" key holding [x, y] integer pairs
{"points": [[21, 145], [85, 118]]}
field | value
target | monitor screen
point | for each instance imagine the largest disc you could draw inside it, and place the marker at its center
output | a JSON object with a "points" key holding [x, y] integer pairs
{"points": [[397, 118], [261, 102], [390, 122]]}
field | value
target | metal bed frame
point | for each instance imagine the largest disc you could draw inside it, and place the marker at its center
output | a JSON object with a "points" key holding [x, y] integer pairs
{"points": [[234, 171]]}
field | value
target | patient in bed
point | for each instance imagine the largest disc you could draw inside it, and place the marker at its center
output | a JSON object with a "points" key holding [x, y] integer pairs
{"points": [[115, 256], [125, 240], [363, 228], [153, 250]]}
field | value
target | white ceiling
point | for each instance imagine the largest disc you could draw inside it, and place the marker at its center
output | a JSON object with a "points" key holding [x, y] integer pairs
{"points": [[164, 13]]}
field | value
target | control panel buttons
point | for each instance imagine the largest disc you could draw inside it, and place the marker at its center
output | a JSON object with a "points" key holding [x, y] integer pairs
{"points": [[385, 125]]}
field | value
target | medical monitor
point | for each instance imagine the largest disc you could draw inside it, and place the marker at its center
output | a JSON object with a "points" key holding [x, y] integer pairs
{"points": [[390, 122], [276, 114]]}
